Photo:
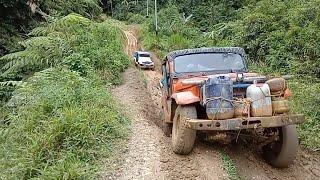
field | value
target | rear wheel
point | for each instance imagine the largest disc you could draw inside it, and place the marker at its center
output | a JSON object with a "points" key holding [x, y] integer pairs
{"points": [[183, 138], [282, 152]]}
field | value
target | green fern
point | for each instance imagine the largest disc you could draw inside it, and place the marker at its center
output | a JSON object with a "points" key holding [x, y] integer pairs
{"points": [[57, 43], [88, 8], [39, 31], [64, 24], [72, 21], [11, 83], [39, 52]]}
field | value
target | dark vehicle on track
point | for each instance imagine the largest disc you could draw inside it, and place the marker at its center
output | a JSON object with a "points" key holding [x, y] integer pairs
{"points": [[209, 91]]}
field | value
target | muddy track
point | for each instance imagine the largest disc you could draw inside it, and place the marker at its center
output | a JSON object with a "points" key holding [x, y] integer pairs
{"points": [[251, 165], [149, 154]]}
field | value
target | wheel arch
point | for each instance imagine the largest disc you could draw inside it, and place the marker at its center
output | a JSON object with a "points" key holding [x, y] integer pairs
{"points": [[185, 98]]}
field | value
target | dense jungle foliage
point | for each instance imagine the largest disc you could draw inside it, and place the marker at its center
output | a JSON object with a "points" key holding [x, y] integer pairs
{"points": [[58, 117], [18, 17], [56, 114]]}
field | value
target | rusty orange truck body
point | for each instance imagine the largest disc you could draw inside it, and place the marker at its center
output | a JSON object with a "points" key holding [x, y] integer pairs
{"points": [[210, 91]]}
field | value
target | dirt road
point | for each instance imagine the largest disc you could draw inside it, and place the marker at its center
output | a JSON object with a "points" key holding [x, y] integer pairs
{"points": [[149, 154]]}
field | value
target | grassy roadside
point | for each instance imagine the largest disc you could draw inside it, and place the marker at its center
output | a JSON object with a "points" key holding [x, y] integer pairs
{"points": [[229, 166], [306, 100], [62, 120]]}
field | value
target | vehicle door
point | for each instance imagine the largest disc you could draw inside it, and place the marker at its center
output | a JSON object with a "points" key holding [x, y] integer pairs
{"points": [[164, 84]]}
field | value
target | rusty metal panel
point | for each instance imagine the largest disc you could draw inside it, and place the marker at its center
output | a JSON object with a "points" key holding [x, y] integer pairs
{"points": [[244, 123], [187, 97]]}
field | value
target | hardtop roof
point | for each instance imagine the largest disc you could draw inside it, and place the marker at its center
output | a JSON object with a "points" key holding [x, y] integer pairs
{"points": [[183, 52], [143, 52]]}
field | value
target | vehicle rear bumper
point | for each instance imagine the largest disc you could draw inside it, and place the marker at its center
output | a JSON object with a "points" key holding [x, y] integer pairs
{"points": [[146, 66], [244, 123]]}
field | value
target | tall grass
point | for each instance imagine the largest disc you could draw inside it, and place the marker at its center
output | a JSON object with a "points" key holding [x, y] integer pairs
{"points": [[306, 100], [62, 120], [59, 125]]}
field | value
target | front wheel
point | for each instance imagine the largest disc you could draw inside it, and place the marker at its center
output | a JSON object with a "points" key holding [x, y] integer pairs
{"points": [[183, 138], [166, 127], [282, 152]]}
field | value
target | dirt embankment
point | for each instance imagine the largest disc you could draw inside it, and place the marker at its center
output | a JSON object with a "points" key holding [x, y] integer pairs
{"points": [[149, 154]]}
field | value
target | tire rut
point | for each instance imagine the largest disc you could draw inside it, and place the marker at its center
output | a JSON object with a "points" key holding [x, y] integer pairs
{"points": [[149, 154], [251, 165]]}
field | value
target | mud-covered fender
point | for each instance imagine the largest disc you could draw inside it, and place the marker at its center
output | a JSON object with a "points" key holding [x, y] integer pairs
{"points": [[184, 98]]}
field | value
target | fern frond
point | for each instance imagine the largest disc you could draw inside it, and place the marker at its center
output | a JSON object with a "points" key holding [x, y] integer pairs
{"points": [[40, 42], [12, 56], [18, 59], [71, 20], [39, 31], [13, 66], [11, 83], [40, 52]]}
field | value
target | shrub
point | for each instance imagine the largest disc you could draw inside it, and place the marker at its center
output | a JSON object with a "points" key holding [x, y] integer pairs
{"points": [[136, 19], [306, 100], [282, 36], [60, 124], [9, 38], [18, 17], [62, 119], [175, 32], [74, 41], [88, 8]]}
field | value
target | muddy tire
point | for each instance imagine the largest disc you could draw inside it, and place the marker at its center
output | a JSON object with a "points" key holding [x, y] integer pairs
{"points": [[166, 127], [183, 138], [282, 153]]}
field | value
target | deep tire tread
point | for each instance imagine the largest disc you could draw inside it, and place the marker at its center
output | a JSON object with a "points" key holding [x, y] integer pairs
{"points": [[183, 140]]}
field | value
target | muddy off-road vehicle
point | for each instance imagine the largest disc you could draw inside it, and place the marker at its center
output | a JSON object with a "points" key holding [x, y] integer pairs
{"points": [[209, 92]]}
